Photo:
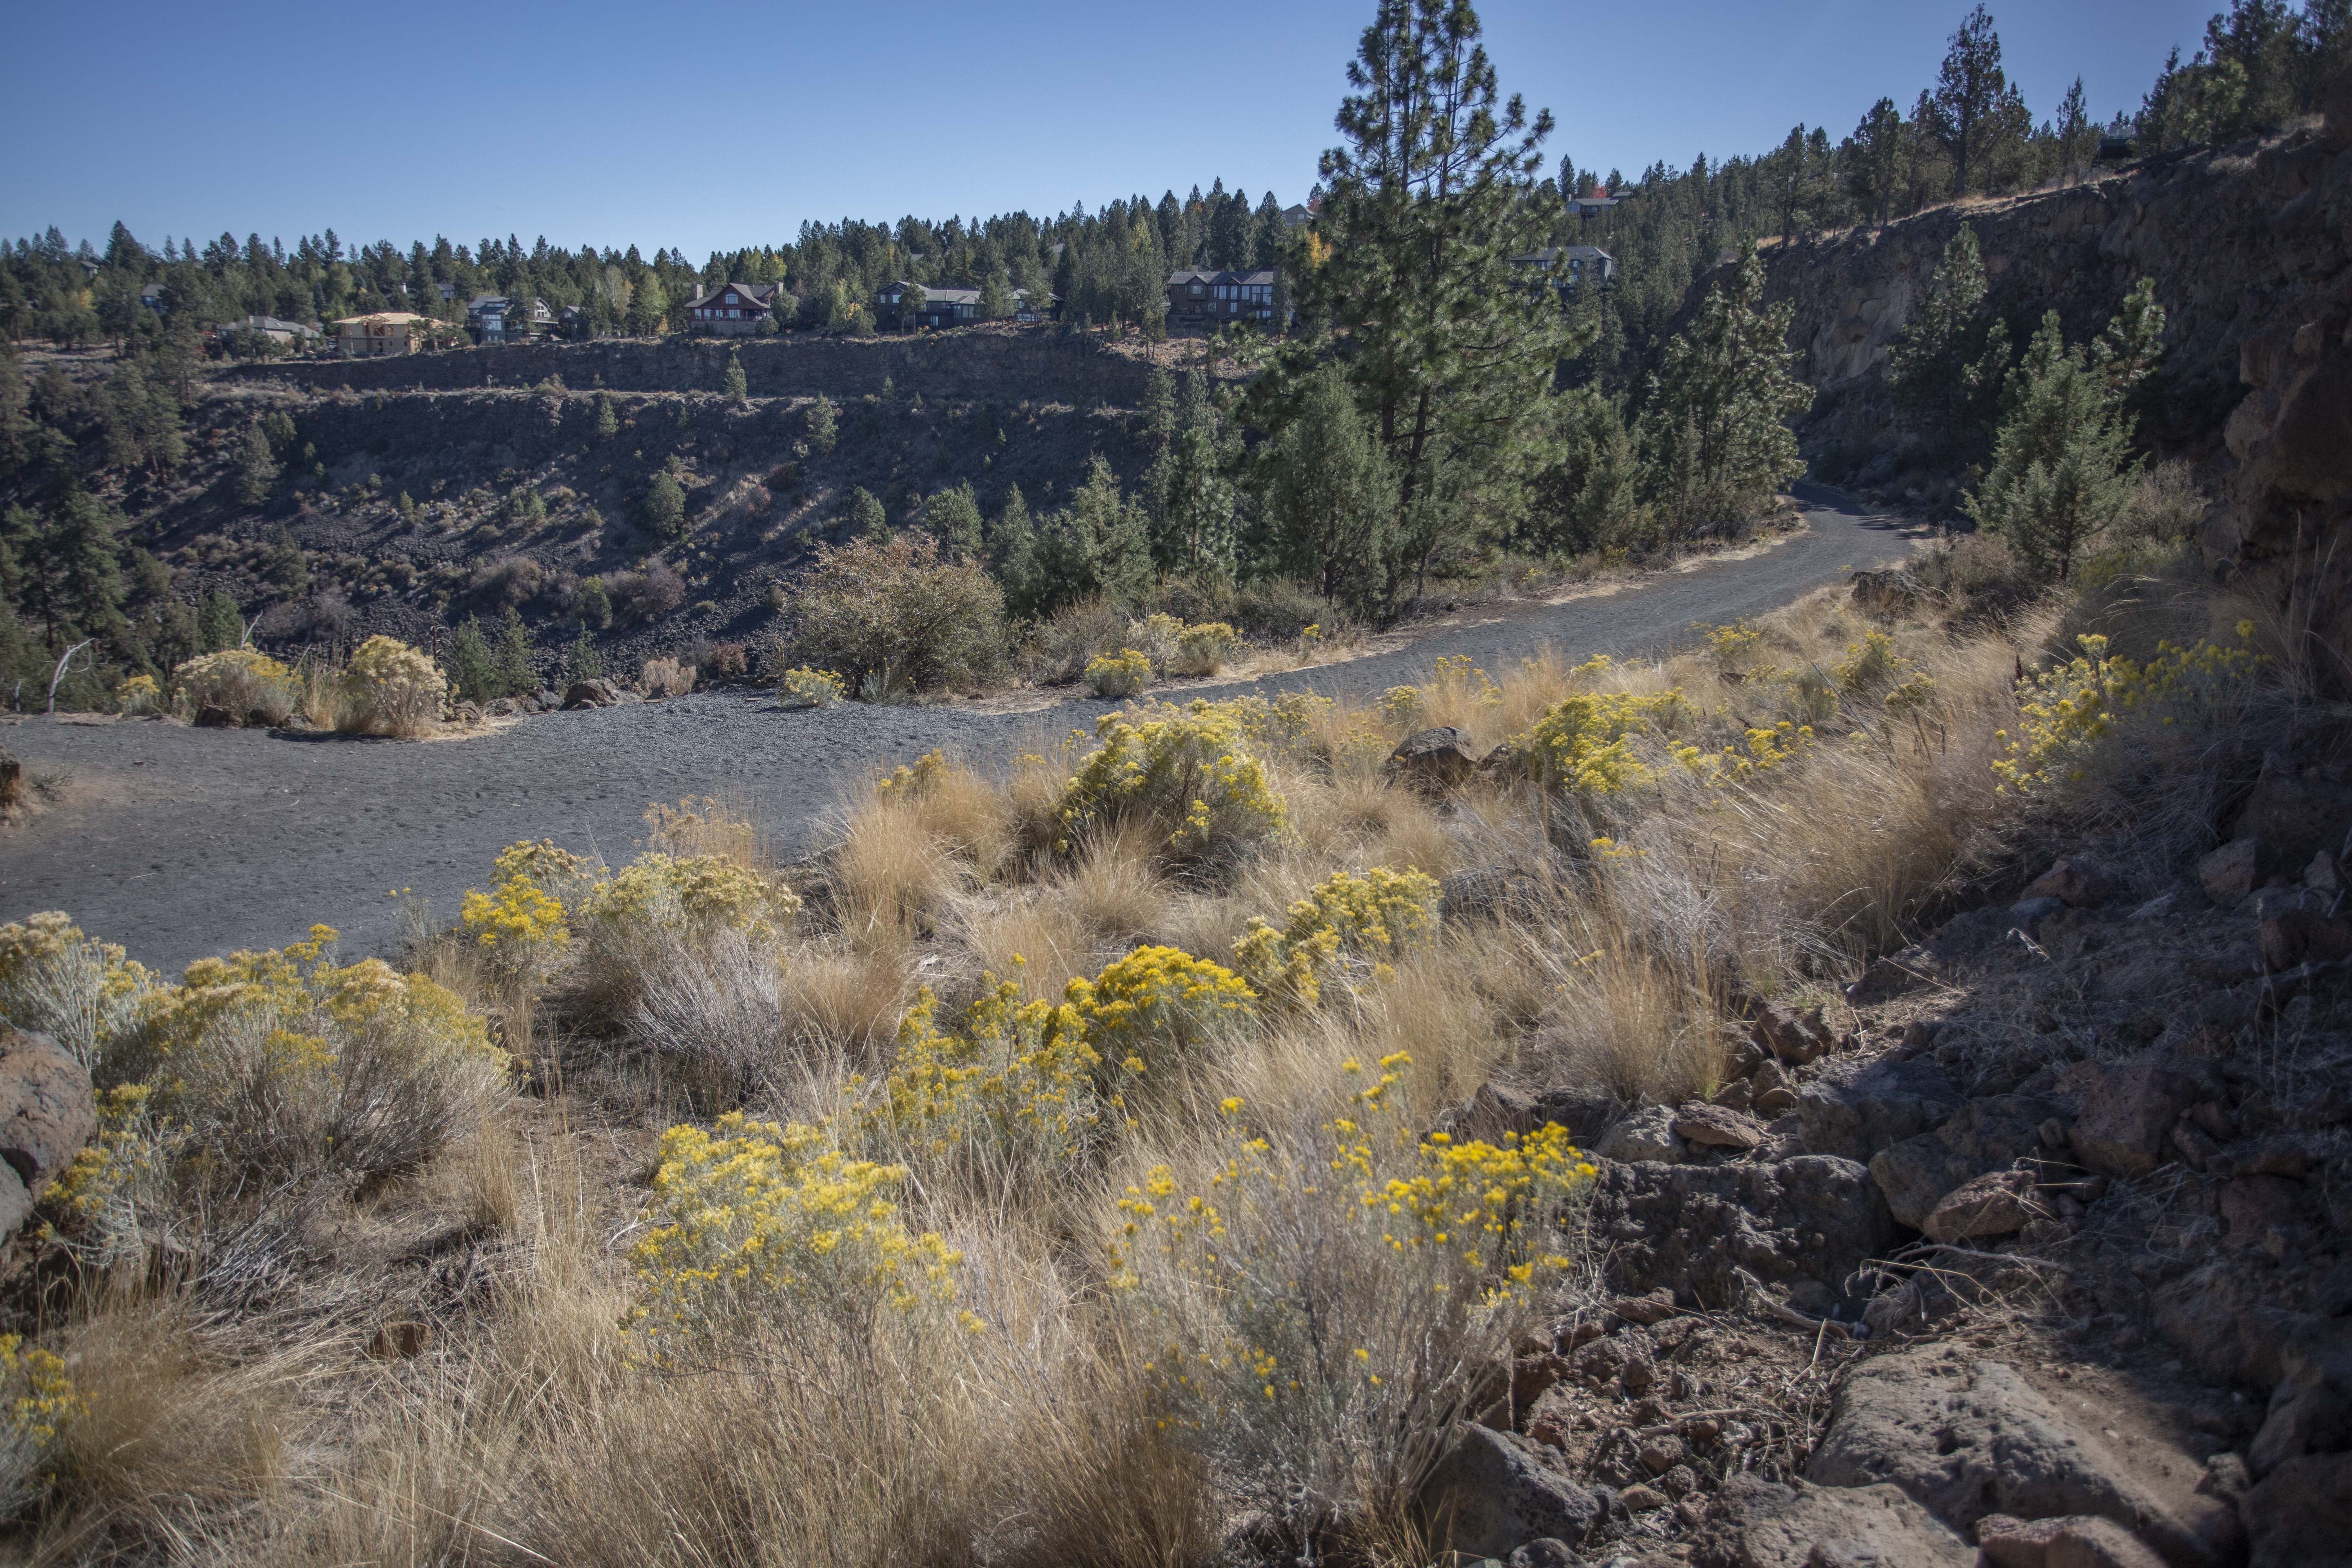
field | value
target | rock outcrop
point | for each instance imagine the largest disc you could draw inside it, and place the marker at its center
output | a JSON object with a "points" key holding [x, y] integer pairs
{"points": [[46, 1113]]}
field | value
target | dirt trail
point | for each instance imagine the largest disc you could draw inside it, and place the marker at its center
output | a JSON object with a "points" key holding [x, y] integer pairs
{"points": [[179, 842]]}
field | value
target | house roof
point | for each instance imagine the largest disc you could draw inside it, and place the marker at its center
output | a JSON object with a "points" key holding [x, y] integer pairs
{"points": [[1550, 254], [266, 324], [756, 293], [387, 318], [940, 296], [1263, 277]]}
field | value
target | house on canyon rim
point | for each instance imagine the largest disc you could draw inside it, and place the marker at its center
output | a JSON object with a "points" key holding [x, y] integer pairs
{"points": [[731, 310], [1204, 300], [385, 332]]}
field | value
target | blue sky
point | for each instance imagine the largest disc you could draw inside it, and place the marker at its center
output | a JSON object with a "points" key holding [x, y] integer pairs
{"points": [[628, 125]]}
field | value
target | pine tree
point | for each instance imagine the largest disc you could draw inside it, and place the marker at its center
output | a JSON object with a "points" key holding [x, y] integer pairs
{"points": [[219, 625], [256, 470], [995, 297], [1332, 497], [954, 519], [1012, 553], [867, 518], [1719, 403], [1947, 364], [823, 425], [1098, 543], [2077, 139], [666, 506], [738, 387], [514, 675], [1452, 359], [473, 668], [608, 422], [1196, 510], [285, 564], [2060, 473], [1970, 89]]}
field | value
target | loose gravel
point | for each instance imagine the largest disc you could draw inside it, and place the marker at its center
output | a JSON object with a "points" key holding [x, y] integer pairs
{"points": [[178, 842]]}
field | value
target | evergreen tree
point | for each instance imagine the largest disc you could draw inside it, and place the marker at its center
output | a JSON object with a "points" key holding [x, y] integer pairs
{"points": [[595, 605], [666, 506], [1012, 553], [219, 625], [867, 518], [285, 564], [1592, 501], [1098, 543], [910, 307], [2078, 139], [514, 674], [1450, 356], [1947, 364], [1970, 89], [738, 387], [473, 668], [995, 297], [608, 421], [1196, 510], [823, 425], [1876, 160], [1332, 496], [1718, 407], [954, 519], [256, 469], [2060, 473]]}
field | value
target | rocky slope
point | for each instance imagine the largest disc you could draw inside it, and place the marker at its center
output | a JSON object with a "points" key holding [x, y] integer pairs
{"points": [[2250, 250]]}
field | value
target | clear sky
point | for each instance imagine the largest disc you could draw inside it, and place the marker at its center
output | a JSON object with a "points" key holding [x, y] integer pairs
{"points": [[713, 127]]}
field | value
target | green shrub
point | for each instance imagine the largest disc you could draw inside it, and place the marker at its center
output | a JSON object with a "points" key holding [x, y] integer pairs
{"points": [[1187, 771], [253, 687], [806, 688], [891, 616], [391, 689], [1121, 673]]}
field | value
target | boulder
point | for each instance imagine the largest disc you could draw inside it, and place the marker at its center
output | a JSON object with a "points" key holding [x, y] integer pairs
{"points": [[2254, 1204], [213, 716], [1967, 1444], [46, 1113], [1489, 892], [2127, 1107], [2311, 1408], [1791, 1037], [596, 693], [1776, 1087], [2294, 936], [1691, 1230], [1494, 1492], [1718, 1126], [1433, 760], [1757, 1523], [2231, 872], [1545, 1554], [2300, 1515], [1992, 1133], [1854, 1109], [2077, 1540], [1648, 1134], [2324, 875], [1995, 1203], [2076, 881], [2297, 815]]}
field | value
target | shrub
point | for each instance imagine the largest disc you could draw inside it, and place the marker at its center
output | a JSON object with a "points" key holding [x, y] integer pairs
{"points": [[806, 688], [1368, 919], [1121, 673], [729, 661], [138, 695], [1204, 650], [758, 1225], [2078, 715], [83, 994], [36, 1399], [1319, 1309], [391, 689], [668, 678], [1585, 744], [1187, 771], [252, 686], [893, 614]]}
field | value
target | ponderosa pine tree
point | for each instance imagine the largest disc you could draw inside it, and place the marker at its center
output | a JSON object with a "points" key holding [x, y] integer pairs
{"points": [[1948, 362], [1715, 412], [1876, 171], [867, 520], [1100, 543], [1452, 357], [1194, 517], [953, 517], [823, 425], [1012, 553], [666, 505], [737, 385], [256, 470], [1969, 88], [608, 421]]}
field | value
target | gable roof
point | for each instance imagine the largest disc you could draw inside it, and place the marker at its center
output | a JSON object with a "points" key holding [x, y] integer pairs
{"points": [[748, 293], [1262, 277], [941, 295]]}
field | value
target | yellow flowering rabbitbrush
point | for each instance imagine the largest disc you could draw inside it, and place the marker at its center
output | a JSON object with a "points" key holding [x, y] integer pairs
{"points": [[1188, 770], [36, 1401], [1120, 674], [2069, 714], [1312, 1302], [1370, 919], [759, 1226], [1586, 743]]}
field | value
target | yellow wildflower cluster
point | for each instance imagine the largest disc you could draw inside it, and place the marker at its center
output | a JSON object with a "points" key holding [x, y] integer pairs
{"points": [[39, 1401], [1731, 646], [1203, 645], [2068, 714], [1300, 1288], [913, 781], [1371, 920], [1585, 744], [806, 688], [391, 685], [1158, 1006], [1401, 705], [140, 694], [83, 992], [94, 1204], [693, 892], [1186, 770], [1870, 665], [1120, 674], [753, 1220], [541, 891], [1460, 681], [238, 680]]}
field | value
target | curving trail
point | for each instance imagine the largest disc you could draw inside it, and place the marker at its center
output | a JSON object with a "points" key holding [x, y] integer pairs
{"points": [[179, 842]]}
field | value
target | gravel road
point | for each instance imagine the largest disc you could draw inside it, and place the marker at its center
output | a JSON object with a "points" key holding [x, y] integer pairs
{"points": [[179, 842]]}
